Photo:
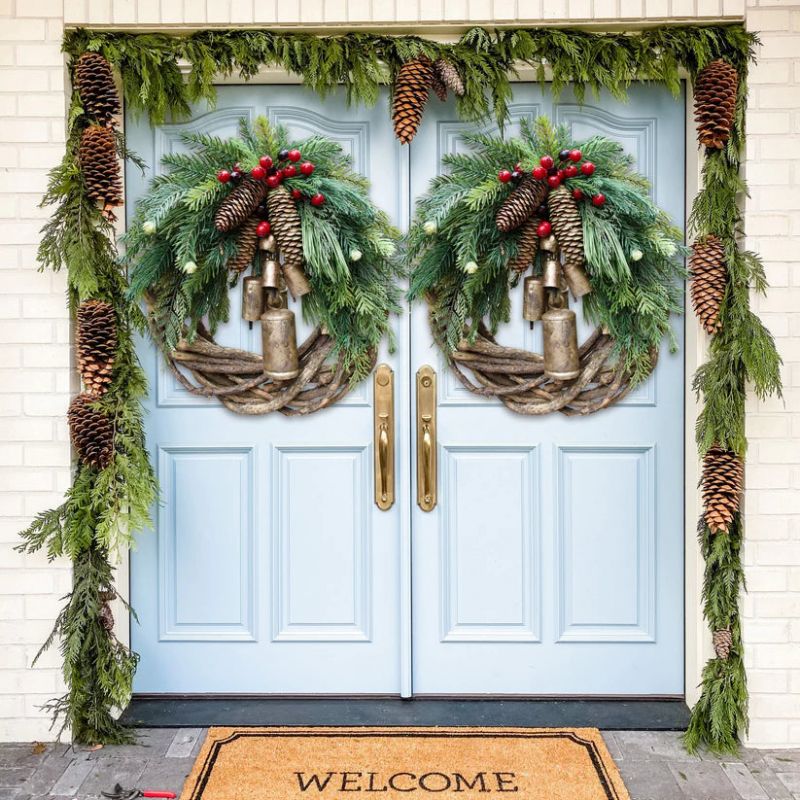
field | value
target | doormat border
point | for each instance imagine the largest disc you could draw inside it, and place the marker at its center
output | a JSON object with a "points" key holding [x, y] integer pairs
{"points": [[203, 711], [201, 772]]}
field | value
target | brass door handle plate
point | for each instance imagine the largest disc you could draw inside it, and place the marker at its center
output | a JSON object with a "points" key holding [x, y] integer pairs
{"points": [[426, 438], [383, 383]]}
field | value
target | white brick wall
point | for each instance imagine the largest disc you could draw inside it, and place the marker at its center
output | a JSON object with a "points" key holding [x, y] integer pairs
{"points": [[34, 354]]}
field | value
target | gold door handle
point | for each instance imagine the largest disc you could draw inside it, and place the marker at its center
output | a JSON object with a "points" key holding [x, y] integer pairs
{"points": [[426, 438], [383, 383]]}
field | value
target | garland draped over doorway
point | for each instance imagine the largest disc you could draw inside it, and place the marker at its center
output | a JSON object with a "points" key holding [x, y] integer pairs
{"points": [[111, 496]]}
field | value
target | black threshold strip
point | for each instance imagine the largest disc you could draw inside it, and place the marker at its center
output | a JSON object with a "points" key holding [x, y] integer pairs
{"points": [[201, 711]]}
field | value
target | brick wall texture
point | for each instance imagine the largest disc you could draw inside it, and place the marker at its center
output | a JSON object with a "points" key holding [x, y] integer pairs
{"points": [[35, 364]]}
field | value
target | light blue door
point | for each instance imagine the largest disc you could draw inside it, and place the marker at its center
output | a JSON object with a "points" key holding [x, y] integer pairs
{"points": [[553, 563]]}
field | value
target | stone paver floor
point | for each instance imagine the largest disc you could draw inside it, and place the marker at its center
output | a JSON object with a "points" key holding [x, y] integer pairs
{"points": [[654, 766]]}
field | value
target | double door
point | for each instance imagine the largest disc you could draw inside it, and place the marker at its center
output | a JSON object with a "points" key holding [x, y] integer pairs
{"points": [[552, 562]]}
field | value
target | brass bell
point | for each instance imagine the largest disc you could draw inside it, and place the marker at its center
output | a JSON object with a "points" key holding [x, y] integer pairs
{"points": [[561, 361], [271, 274], [252, 299], [552, 272], [279, 344], [533, 299], [268, 245], [549, 244], [577, 279], [296, 280]]}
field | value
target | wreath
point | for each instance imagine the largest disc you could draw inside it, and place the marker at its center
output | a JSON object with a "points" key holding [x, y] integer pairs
{"points": [[581, 220], [296, 216]]}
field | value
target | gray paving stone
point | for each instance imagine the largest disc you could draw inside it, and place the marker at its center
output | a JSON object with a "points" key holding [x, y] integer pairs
{"points": [[703, 781], [649, 780], [185, 742], [73, 776], [648, 745], [14, 777], [10, 794], [150, 743], [110, 770], [791, 780], [744, 782], [21, 755], [167, 774], [782, 760], [613, 746], [772, 785], [46, 775]]}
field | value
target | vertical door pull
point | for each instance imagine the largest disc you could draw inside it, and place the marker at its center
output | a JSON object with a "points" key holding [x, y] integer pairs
{"points": [[383, 383], [426, 438]]}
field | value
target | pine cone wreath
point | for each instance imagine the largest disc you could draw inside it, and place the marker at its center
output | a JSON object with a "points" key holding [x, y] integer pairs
{"points": [[438, 85], [96, 345], [239, 205], [722, 482], [715, 89], [97, 154], [528, 245], [410, 95], [246, 244], [91, 432], [567, 225], [709, 276], [449, 76], [94, 81], [723, 642], [286, 224], [520, 204]]}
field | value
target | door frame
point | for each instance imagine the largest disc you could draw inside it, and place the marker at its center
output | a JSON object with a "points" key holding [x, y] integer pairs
{"points": [[697, 638]]}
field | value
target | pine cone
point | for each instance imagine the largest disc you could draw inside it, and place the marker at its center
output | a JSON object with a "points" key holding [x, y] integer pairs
{"points": [[246, 243], [709, 281], [286, 225], [715, 89], [449, 76], [410, 95], [520, 204], [106, 615], [96, 345], [567, 225], [438, 85], [528, 245], [94, 81], [97, 153], [722, 480], [91, 431], [239, 205], [723, 642]]}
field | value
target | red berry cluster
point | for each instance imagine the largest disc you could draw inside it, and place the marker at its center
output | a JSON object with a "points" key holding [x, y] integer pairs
{"points": [[266, 170], [569, 167]]}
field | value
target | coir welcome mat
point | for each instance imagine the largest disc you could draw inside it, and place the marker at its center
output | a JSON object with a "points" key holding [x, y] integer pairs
{"points": [[404, 764]]}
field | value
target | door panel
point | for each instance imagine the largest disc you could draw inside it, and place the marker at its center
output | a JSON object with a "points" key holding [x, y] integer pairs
{"points": [[271, 568], [553, 563]]}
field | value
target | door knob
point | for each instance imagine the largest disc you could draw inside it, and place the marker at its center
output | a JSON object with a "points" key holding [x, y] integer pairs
{"points": [[426, 438], [383, 383]]}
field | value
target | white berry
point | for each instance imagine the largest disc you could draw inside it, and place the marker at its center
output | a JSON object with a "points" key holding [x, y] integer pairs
{"points": [[430, 227], [190, 267], [149, 227], [636, 255], [470, 267], [355, 255]]}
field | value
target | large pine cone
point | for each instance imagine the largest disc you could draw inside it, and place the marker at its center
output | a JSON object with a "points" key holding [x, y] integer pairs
{"points": [[520, 204], [528, 245], [410, 95], [438, 85], [91, 432], [246, 244], [449, 76], [97, 153], [94, 81], [715, 89], [722, 481], [96, 345], [286, 225], [567, 225], [239, 205], [723, 642], [709, 275]]}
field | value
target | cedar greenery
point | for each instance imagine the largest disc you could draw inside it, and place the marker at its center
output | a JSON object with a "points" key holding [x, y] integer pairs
{"points": [[103, 509], [632, 299]]}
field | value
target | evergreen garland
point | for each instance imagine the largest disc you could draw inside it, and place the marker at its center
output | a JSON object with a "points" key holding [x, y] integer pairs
{"points": [[104, 508]]}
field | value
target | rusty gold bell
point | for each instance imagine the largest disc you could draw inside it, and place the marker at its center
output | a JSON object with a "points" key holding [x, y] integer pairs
{"points": [[577, 279], [252, 299], [271, 275], [552, 272], [296, 280], [279, 344], [561, 361], [533, 299]]}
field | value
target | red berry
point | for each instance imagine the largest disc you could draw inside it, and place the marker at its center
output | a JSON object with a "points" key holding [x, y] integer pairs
{"points": [[554, 181], [265, 161], [587, 168], [575, 155], [296, 194], [539, 173], [544, 229], [274, 181], [290, 171], [318, 199], [504, 176], [546, 161], [562, 173], [306, 168], [258, 173], [518, 166], [263, 229], [237, 167], [599, 200], [223, 176], [571, 171], [294, 155], [577, 194]]}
